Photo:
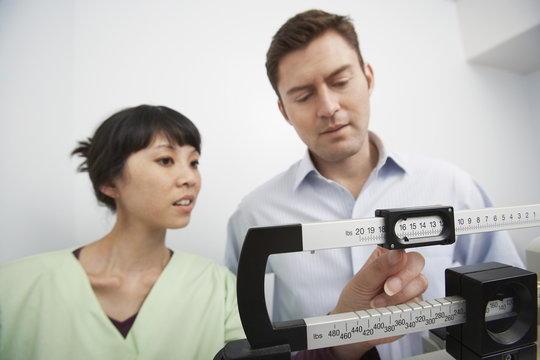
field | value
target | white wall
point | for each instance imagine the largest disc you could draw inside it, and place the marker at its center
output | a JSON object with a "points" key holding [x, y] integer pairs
{"points": [[502, 20], [65, 65]]}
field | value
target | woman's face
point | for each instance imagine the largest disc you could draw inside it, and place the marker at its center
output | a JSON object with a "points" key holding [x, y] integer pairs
{"points": [[159, 185]]}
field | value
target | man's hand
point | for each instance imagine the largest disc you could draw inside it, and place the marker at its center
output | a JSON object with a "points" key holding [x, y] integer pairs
{"points": [[389, 277]]}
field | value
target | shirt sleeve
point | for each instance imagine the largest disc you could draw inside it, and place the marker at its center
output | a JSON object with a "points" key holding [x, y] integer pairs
{"points": [[233, 325], [235, 237]]}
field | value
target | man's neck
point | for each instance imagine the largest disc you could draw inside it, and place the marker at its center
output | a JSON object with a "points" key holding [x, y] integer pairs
{"points": [[353, 171]]}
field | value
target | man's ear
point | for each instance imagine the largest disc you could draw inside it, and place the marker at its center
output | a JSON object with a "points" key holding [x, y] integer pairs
{"points": [[368, 71], [283, 112], [109, 190]]}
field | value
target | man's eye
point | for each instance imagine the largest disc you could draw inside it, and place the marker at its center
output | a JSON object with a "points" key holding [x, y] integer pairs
{"points": [[303, 99], [195, 164], [165, 161], [341, 83]]}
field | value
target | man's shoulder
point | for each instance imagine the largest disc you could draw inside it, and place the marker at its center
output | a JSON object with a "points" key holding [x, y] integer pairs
{"points": [[279, 185], [441, 176], [425, 165]]}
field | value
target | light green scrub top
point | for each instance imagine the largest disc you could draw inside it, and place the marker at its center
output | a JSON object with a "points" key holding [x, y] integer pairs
{"points": [[48, 310]]}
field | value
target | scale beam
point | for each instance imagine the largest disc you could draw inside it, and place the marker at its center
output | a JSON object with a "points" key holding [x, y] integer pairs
{"points": [[416, 226]]}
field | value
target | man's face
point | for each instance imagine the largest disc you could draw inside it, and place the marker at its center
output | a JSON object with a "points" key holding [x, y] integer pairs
{"points": [[325, 97]]}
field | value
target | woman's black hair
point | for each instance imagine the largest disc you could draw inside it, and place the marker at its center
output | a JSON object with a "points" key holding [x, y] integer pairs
{"points": [[126, 132]]}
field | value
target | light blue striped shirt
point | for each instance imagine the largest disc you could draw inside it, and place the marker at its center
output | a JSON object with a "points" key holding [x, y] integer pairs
{"points": [[308, 284]]}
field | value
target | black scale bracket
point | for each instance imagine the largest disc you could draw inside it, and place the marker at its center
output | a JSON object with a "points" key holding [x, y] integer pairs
{"points": [[511, 338]]}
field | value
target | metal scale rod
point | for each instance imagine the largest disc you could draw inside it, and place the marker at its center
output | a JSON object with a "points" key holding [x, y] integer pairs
{"points": [[373, 324]]}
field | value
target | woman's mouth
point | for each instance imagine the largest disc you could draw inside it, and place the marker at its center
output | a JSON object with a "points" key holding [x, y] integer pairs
{"points": [[183, 202]]}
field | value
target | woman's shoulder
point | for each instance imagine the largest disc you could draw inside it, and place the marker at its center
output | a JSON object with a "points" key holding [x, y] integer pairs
{"points": [[34, 265], [198, 265]]}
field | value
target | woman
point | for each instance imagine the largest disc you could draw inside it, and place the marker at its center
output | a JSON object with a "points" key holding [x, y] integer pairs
{"points": [[126, 295]]}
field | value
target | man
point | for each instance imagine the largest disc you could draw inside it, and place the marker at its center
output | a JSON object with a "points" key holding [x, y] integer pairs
{"points": [[323, 86]]}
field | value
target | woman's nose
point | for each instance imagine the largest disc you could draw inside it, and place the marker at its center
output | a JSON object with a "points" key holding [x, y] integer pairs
{"points": [[187, 177]]}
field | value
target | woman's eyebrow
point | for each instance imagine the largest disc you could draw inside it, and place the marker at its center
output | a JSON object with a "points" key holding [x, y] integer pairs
{"points": [[164, 145]]}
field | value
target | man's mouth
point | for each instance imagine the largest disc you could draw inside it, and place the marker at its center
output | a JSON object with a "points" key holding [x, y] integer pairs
{"points": [[334, 129]]}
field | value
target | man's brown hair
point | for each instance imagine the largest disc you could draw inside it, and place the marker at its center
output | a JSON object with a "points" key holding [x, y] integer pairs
{"points": [[299, 31]]}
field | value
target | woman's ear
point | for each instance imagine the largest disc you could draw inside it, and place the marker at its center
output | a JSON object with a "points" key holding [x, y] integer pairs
{"points": [[109, 190]]}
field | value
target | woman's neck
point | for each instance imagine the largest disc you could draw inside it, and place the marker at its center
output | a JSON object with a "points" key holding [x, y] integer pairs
{"points": [[123, 267], [127, 248]]}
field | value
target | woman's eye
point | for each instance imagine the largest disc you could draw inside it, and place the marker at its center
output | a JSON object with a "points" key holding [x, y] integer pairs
{"points": [[165, 161], [195, 164]]}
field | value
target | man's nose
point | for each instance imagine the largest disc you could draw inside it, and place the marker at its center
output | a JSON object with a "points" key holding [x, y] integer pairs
{"points": [[328, 103]]}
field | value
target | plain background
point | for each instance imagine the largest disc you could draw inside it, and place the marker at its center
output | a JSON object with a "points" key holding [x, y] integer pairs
{"points": [[66, 65]]}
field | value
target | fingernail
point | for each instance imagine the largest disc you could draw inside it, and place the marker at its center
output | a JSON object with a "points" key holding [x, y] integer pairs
{"points": [[392, 286], [377, 302], [394, 256]]}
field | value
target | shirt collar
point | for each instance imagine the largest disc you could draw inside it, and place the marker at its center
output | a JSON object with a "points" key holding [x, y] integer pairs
{"points": [[387, 159], [304, 168]]}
